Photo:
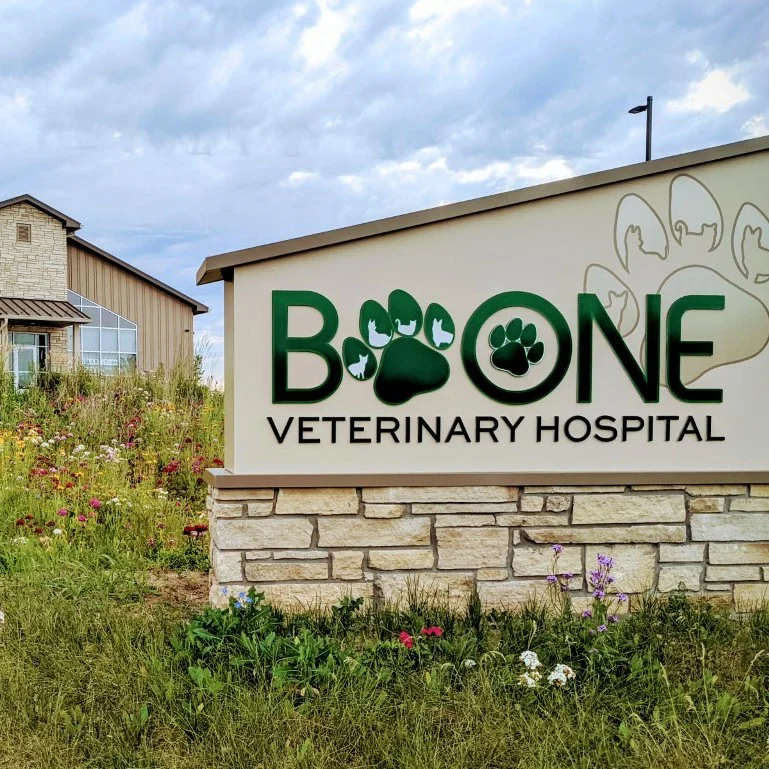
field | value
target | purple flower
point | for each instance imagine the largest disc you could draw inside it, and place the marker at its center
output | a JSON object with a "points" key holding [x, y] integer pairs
{"points": [[601, 628], [598, 594], [621, 597], [605, 560], [613, 619], [557, 548], [568, 575], [551, 579], [587, 614], [564, 587], [609, 579]]}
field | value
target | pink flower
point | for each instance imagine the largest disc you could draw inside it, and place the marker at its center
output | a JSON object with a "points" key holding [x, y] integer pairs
{"points": [[95, 503], [434, 630], [406, 639], [82, 518], [63, 512]]}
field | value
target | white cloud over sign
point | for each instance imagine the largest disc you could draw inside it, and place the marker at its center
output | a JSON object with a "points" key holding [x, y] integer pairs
{"points": [[717, 91], [176, 129]]}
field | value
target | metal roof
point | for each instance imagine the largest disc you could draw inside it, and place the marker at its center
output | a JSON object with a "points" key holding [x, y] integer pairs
{"points": [[197, 307], [220, 267], [50, 312], [68, 222]]}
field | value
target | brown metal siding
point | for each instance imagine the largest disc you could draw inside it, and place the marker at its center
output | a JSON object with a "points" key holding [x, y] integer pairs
{"points": [[165, 323]]}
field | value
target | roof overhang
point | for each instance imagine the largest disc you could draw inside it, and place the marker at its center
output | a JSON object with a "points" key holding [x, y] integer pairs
{"points": [[197, 307], [220, 267], [40, 312], [69, 224]]}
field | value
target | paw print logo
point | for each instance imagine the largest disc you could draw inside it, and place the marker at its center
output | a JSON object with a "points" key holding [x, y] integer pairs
{"points": [[697, 258], [407, 367], [515, 348]]}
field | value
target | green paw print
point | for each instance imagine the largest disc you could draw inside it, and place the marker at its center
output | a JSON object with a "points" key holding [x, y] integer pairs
{"points": [[515, 347], [408, 366]]}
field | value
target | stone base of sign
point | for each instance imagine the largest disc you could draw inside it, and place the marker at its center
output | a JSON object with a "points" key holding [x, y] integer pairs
{"points": [[311, 547]]}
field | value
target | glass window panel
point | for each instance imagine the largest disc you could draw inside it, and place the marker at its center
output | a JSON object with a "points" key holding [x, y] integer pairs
{"points": [[21, 338], [74, 298], [108, 319], [109, 340], [89, 338], [127, 362], [126, 323], [127, 341], [92, 313], [90, 359], [109, 363]]}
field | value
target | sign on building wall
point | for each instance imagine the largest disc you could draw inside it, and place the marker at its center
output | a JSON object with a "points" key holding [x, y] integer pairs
{"points": [[616, 330]]}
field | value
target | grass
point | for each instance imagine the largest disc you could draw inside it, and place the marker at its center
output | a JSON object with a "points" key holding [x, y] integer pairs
{"points": [[97, 670]]}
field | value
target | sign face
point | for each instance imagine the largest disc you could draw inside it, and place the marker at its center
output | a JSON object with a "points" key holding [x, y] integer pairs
{"points": [[617, 330]]}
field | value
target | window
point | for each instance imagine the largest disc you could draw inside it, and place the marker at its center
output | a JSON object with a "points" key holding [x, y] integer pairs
{"points": [[107, 341], [24, 233], [28, 355]]}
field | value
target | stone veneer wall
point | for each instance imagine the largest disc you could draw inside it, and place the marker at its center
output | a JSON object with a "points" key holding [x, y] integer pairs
{"points": [[36, 270], [310, 546]]}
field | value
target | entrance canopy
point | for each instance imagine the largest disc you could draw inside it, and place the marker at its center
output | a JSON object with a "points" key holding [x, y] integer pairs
{"points": [[46, 312]]}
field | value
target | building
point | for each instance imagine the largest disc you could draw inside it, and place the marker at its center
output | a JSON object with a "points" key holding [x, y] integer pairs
{"points": [[65, 301]]}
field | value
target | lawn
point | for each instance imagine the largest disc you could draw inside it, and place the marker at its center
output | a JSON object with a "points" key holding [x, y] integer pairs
{"points": [[108, 657]]}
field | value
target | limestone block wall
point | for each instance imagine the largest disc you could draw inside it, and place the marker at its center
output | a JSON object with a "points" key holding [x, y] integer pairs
{"points": [[304, 547], [36, 270]]}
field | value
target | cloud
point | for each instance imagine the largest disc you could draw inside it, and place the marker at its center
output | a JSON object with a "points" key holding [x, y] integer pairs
{"points": [[176, 129], [716, 92], [756, 126]]}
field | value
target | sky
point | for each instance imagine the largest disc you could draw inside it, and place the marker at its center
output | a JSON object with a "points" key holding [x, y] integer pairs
{"points": [[178, 129]]}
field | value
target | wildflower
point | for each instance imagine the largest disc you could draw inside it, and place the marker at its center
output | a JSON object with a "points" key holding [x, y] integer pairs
{"points": [[468, 663], [19, 540], [58, 532], [63, 512], [568, 575], [599, 594], [529, 679], [406, 639], [561, 675], [82, 518], [95, 503], [224, 591], [587, 614], [195, 530], [20, 521], [434, 631], [602, 628], [621, 597], [613, 619], [551, 579], [605, 560], [557, 548], [530, 660]]}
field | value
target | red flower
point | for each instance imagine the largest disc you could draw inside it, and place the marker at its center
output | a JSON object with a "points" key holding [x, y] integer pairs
{"points": [[434, 630], [95, 503], [195, 530], [216, 462], [19, 521], [406, 639]]}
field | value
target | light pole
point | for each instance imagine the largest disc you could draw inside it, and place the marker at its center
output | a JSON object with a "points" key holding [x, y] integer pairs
{"points": [[647, 108]]}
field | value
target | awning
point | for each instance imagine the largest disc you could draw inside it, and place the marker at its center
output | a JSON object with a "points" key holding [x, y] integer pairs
{"points": [[48, 312]]}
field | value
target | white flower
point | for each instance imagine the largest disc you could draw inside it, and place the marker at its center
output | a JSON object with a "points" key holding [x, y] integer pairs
{"points": [[58, 532], [19, 540], [530, 660], [469, 663], [529, 679], [561, 675]]}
